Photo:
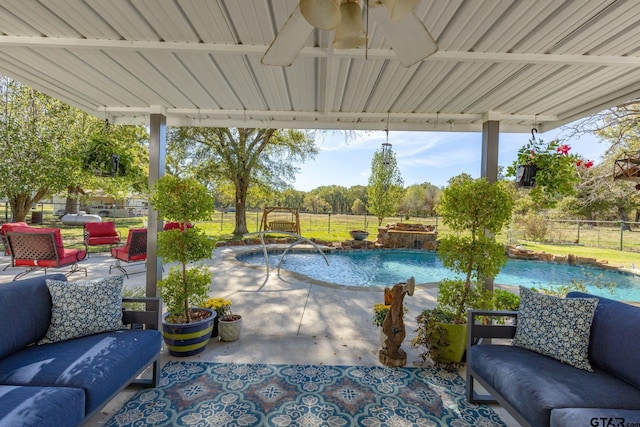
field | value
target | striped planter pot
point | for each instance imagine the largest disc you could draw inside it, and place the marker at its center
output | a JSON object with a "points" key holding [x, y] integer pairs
{"points": [[187, 339]]}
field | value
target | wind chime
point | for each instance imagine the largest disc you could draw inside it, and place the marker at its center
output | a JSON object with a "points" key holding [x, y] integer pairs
{"points": [[386, 149]]}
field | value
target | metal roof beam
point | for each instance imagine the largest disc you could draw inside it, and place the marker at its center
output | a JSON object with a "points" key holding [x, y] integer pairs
{"points": [[234, 49]]}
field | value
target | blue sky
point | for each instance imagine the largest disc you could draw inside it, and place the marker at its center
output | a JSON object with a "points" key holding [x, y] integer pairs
{"points": [[422, 156]]}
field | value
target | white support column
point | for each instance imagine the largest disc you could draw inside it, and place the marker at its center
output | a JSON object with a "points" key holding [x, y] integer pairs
{"points": [[157, 154], [490, 137], [489, 166]]}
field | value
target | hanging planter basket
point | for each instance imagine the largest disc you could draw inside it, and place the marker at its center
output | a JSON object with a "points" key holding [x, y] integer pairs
{"points": [[526, 175]]}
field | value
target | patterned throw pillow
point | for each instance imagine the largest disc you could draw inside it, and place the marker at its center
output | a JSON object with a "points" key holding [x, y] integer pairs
{"points": [[84, 307], [556, 327]]}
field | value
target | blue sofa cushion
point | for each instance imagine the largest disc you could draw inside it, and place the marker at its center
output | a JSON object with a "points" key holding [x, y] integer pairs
{"points": [[84, 307], [597, 417], [555, 327], [41, 406], [25, 312], [535, 384], [99, 364], [615, 338]]}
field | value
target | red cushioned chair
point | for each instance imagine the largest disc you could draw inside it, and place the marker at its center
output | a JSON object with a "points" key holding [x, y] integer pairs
{"points": [[10, 226], [174, 224], [135, 250], [101, 233], [35, 248]]}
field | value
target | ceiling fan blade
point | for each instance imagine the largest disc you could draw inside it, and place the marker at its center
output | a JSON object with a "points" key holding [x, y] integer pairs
{"points": [[409, 38], [399, 9], [289, 41]]}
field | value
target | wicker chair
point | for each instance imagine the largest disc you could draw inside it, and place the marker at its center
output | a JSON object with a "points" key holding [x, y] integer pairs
{"points": [[135, 250], [43, 248]]}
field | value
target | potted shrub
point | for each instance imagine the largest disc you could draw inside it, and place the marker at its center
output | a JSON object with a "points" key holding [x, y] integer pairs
{"points": [[222, 307], [475, 210], [186, 328]]}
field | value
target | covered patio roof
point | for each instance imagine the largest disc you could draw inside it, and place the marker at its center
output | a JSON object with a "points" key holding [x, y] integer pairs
{"points": [[500, 66], [198, 62]]}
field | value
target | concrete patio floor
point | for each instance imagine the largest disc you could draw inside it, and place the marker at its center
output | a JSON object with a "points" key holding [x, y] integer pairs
{"points": [[285, 319]]}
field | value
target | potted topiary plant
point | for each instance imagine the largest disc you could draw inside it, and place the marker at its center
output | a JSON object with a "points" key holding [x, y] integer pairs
{"points": [[475, 210], [186, 328], [222, 307]]}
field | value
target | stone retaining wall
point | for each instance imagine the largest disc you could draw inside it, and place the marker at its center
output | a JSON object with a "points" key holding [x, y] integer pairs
{"points": [[518, 252]]}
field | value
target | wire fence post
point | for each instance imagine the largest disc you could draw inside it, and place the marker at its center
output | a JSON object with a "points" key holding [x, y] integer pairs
{"points": [[621, 233], [578, 240]]}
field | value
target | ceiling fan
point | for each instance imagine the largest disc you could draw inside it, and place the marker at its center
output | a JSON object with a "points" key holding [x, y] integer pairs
{"points": [[405, 32]]}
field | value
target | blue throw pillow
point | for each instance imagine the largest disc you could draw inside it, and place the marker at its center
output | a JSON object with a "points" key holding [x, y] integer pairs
{"points": [[556, 327], [84, 307]]}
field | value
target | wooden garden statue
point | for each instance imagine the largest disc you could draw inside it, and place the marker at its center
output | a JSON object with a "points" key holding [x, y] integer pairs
{"points": [[393, 326]]}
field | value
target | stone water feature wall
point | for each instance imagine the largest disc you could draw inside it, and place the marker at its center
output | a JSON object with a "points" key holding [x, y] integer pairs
{"points": [[407, 236]]}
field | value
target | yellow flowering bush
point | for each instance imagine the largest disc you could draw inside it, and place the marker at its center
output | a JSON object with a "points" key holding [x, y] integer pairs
{"points": [[220, 305]]}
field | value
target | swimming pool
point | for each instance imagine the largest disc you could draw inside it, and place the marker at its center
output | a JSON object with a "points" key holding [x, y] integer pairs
{"points": [[386, 267]]}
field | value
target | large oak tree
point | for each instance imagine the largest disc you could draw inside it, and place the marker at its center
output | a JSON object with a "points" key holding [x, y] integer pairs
{"points": [[248, 159]]}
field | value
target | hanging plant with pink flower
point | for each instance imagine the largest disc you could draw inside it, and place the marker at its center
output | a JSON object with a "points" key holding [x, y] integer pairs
{"points": [[557, 171]]}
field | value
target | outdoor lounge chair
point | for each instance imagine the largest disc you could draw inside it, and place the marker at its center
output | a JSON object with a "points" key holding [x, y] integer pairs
{"points": [[9, 226], [101, 233], [174, 224], [135, 250], [35, 248]]}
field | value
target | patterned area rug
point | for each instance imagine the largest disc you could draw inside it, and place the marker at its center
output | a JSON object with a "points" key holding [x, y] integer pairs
{"points": [[229, 394]]}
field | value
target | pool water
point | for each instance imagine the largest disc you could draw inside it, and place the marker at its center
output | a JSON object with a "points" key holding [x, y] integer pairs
{"points": [[386, 267]]}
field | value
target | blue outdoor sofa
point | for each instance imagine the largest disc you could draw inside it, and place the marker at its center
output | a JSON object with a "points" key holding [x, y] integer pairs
{"points": [[542, 391], [64, 383]]}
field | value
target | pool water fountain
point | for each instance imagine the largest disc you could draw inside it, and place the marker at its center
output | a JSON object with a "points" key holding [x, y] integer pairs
{"points": [[407, 236]]}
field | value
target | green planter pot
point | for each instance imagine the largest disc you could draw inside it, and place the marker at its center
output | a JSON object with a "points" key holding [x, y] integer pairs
{"points": [[187, 339], [457, 336]]}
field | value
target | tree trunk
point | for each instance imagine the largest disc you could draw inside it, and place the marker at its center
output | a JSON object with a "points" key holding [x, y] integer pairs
{"points": [[71, 203], [20, 206], [241, 204], [624, 216]]}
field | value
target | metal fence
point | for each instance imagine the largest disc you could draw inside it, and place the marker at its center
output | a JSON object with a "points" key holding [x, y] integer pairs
{"points": [[619, 235], [624, 236]]}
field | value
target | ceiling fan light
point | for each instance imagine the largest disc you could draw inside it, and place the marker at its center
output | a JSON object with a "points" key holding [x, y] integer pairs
{"points": [[350, 33], [399, 9], [322, 14]]}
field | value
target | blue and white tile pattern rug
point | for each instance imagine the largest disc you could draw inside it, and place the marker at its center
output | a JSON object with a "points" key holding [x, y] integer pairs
{"points": [[229, 394]]}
